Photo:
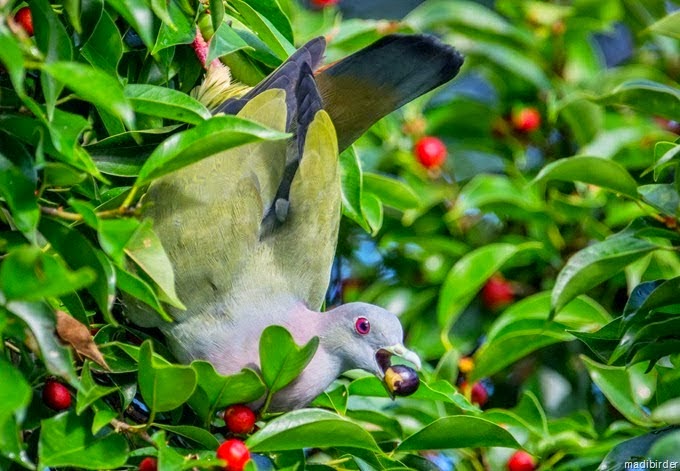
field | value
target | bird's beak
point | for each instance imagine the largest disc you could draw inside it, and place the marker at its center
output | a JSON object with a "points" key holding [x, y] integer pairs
{"points": [[383, 356]]}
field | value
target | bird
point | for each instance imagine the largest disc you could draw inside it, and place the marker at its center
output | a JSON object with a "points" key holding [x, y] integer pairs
{"points": [[252, 232]]}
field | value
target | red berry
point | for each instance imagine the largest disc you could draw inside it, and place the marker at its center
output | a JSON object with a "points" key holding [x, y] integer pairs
{"points": [[497, 293], [148, 464], [479, 394], [521, 461], [239, 418], [25, 20], [526, 119], [320, 4], [235, 453], [430, 151], [56, 396]]}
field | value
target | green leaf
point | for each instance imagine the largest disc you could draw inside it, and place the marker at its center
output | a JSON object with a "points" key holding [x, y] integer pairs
{"points": [[351, 180], [513, 61], [182, 31], [668, 412], [461, 15], [372, 209], [310, 428], [524, 328], [94, 86], [54, 42], [77, 251], [615, 383], [458, 431], [488, 190], [104, 48], [146, 250], [646, 96], [663, 197], [441, 390], [65, 440], [18, 192], [667, 448], [669, 25], [166, 103], [12, 58], [390, 191], [62, 175], [216, 15], [224, 41], [666, 154], [215, 391], [272, 11], [201, 436], [29, 274], [163, 387], [595, 264], [282, 360], [141, 290], [633, 452], [602, 342], [264, 28], [593, 170], [468, 275], [215, 135], [41, 321], [13, 399], [90, 391], [138, 14], [648, 296]]}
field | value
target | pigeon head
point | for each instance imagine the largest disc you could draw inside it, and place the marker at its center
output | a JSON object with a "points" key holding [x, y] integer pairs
{"points": [[366, 337]]}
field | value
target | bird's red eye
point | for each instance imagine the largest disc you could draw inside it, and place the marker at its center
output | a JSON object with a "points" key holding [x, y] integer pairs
{"points": [[362, 326]]}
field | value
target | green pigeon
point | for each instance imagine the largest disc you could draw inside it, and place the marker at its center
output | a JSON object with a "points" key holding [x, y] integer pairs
{"points": [[252, 232]]}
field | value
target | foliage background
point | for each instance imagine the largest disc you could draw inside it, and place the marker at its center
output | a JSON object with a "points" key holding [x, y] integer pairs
{"points": [[580, 216]]}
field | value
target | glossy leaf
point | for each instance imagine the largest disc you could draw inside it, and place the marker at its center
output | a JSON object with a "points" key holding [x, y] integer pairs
{"points": [[593, 170], [524, 328], [615, 383], [663, 197], [224, 41], [166, 103], [646, 95], [208, 138], [163, 387], [281, 358], [351, 179], [181, 31], [65, 440], [29, 274], [94, 86], [310, 428], [18, 191], [390, 191], [90, 391], [141, 290], [265, 29], [595, 264], [668, 25], [40, 320], [139, 15], [78, 252], [146, 250], [458, 432]]}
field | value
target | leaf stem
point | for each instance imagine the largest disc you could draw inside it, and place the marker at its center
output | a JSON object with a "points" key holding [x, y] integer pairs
{"points": [[75, 217]]}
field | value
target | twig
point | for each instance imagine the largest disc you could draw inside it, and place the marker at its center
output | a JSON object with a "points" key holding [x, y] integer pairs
{"points": [[121, 426]]}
